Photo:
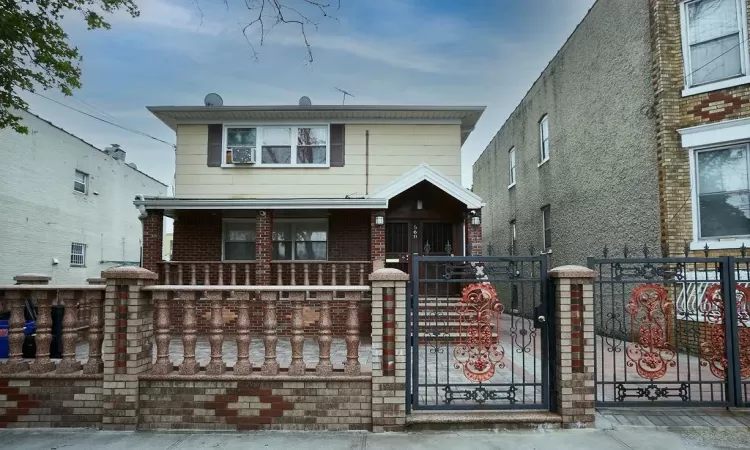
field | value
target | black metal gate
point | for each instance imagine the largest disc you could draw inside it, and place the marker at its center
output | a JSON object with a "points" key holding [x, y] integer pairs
{"points": [[672, 331], [479, 333]]}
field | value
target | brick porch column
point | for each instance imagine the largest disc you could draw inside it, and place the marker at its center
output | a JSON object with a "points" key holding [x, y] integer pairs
{"points": [[388, 350], [263, 247], [377, 241], [473, 235], [126, 351], [153, 240], [574, 322]]}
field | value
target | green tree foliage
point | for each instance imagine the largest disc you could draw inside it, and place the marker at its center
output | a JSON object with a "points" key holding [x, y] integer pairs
{"points": [[34, 48]]}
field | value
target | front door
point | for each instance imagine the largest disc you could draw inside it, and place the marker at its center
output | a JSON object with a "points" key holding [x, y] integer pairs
{"points": [[406, 238]]}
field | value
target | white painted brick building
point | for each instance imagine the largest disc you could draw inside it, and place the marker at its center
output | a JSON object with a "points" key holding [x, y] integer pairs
{"points": [[42, 214]]}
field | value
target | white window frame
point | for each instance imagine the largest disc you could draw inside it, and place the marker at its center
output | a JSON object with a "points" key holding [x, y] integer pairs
{"points": [[543, 158], [224, 223], [85, 182], [512, 167], [294, 222], [259, 128], [706, 137], [513, 237], [82, 254], [546, 248], [687, 68]]}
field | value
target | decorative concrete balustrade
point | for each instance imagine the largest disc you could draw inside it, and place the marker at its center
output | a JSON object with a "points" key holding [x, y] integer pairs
{"points": [[83, 310], [207, 273], [245, 298], [322, 273]]}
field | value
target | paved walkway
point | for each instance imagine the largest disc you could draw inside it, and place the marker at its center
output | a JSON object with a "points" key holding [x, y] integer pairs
{"points": [[619, 438]]}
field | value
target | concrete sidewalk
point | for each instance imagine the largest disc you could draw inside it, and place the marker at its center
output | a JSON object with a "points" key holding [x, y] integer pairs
{"points": [[600, 439]]}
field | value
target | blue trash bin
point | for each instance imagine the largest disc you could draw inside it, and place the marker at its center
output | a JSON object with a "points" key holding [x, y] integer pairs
{"points": [[28, 330]]}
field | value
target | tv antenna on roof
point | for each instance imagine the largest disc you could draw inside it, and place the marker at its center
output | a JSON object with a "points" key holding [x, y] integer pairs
{"points": [[345, 94]]}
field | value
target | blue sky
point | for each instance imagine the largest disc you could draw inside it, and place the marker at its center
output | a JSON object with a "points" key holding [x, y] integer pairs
{"points": [[432, 52]]}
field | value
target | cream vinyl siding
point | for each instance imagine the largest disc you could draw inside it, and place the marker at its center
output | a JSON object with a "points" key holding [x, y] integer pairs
{"points": [[394, 150]]}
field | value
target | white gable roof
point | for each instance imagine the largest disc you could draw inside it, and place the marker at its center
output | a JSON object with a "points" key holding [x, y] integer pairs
{"points": [[424, 172]]}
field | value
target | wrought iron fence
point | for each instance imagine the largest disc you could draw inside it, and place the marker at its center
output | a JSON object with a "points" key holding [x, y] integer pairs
{"points": [[672, 330], [475, 338]]}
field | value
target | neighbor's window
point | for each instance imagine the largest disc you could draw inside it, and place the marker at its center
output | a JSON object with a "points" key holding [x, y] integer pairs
{"points": [[512, 167], [723, 192], [714, 44], [239, 240], [278, 145], [77, 254], [513, 238], [547, 227], [300, 240], [544, 138], [81, 182]]}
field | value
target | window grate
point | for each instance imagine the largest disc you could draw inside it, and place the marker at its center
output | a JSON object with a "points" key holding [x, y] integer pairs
{"points": [[77, 254]]}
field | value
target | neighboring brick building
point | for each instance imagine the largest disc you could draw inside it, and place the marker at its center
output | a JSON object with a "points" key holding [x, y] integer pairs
{"points": [[622, 142]]}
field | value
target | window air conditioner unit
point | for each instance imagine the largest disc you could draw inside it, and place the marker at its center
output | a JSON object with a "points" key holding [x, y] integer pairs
{"points": [[243, 155]]}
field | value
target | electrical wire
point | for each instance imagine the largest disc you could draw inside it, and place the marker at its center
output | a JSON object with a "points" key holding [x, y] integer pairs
{"points": [[103, 120]]}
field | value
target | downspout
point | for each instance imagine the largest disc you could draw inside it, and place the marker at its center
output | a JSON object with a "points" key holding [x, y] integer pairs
{"points": [[367, 162]]}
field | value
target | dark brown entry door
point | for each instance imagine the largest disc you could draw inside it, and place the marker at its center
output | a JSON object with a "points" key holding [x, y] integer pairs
{"points": [[437, 239]]}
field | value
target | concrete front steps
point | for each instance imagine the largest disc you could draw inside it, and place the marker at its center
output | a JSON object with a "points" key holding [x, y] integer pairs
{"points": [[482, 420]]}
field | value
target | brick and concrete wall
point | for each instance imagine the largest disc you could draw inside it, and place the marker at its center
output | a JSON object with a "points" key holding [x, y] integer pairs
{"points": [[51, 401], [673, 112], [242, 404]]}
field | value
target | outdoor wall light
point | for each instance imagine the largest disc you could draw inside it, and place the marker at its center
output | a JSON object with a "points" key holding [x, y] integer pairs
{"points": [[476, 220], [380, 219]]}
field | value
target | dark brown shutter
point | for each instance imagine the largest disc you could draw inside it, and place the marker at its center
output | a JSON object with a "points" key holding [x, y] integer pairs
{"points": [[214, 145], [337, 145]]}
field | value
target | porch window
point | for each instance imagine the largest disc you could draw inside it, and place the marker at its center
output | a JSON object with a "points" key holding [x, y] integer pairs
{"points": [[723, 192], [239, 240], [304, 240]]}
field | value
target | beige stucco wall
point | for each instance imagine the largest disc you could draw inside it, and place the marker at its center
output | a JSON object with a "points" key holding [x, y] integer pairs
{"points": [[394, 150]]}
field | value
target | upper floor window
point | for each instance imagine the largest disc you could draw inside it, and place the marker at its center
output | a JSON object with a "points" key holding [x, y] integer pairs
{"points": [[722, 184], [300, 239], [513, 238], [77, 254], [81, 182], [544, 139], [714, 44], [239, 240], [277, 145], [511, 168]]}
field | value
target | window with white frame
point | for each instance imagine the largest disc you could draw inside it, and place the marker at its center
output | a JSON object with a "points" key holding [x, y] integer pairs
{"points": [[714, 41], [513, 238], [722, 192], [544, 138], [239, 240], [306, 145], [300, 239], [547, 227], [77, 254], [512, 167], [81, 182]]}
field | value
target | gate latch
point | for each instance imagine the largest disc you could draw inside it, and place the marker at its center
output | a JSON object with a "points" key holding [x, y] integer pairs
{"points": [[539, 318]]}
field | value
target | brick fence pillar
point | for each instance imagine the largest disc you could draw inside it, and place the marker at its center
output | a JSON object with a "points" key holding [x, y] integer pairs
{"points": [[574, 320], [126, 351], [377, 241], [388, 350], [153, 240], [473, 234], [263, 247]]}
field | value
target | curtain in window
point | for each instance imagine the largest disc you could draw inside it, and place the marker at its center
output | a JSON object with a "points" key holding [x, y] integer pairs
{"points": [[239, 241], [723, 192]]}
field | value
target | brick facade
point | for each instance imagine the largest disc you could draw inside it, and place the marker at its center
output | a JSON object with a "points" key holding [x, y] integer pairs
{"points": [[242, 404], [197, 237], [377, 241], [47, 402], [674, 112], [473, 236], [153, 237]]}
